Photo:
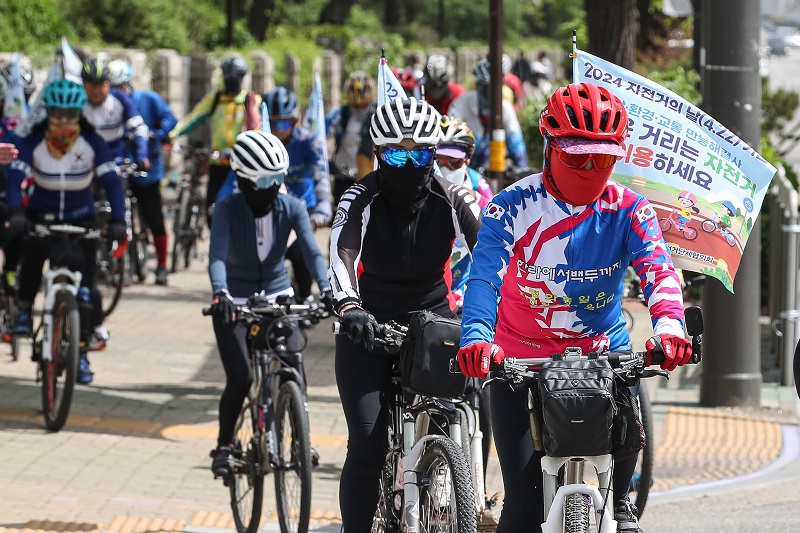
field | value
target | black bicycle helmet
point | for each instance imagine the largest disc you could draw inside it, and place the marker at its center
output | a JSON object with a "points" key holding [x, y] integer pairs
{"points": [[95, 71], [234, 66]]}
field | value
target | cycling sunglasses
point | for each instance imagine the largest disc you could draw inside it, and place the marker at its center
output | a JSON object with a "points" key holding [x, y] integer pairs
{"points": [[59, 113], [282, 124], [578, 161], [397, 157], [453, 163]]}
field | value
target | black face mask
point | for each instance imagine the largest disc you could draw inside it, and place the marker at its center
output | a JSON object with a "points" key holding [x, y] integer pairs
{"points": [[260, 201], [404, 188], [233, 85]]}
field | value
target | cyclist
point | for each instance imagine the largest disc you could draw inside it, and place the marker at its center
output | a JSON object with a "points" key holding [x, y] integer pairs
{"points": [[63, 154], [307, 177], [473, 107], [553, 251], [390, 244], [230, 111], [113, 113], [159, 119], [513, 82], [350, 124], [439, 90], [246, 256], [12, 246]]}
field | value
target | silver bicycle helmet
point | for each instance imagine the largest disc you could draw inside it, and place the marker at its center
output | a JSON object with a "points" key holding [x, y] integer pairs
{"points": [[120, 72], [26, 75], [506, 64], [257, 154], [401, 119], [438, 70], [482, 71]]}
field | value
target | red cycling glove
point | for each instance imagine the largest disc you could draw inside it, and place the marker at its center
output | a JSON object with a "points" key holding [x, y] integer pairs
{"points": [[473, 360], [677, 350]]}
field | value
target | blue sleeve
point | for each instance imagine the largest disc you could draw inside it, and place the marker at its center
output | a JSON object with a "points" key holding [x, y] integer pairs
{"points": [[332, 120], [228, 187], [133, 123], [19, 169], [516, 148], [106, 170], [308, 245], [167, 120], [218, 247]]}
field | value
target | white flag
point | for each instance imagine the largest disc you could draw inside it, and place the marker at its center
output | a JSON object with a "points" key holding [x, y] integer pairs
{"points": [[72, 63], [388, 84], [14, 107]]}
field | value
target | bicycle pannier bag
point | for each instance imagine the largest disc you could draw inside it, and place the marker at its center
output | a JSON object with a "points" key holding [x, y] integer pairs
{"points": [[628, 435], [431, 342], [578, 407]]}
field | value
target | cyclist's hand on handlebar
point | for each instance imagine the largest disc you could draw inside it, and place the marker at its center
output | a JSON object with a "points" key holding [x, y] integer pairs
{"points": [[17, 221], [474, 359], [117, 231], [326, 298], [144, 164], [677, 350], [360, 326], [222, 306], [319, 220]]}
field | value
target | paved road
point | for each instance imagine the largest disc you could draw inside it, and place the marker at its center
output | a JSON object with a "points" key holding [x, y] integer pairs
{"points": [[133, 457]]}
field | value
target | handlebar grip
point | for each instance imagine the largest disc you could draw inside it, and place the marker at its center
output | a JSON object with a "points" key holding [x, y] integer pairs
{"points": [[206, 311], [337, 328], [656, 358]]}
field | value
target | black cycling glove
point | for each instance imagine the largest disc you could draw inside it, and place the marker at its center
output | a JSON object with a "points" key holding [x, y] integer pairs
{"points": [[360, 326], [117, 231], [326, 299], [222, 306], [17, 222]]}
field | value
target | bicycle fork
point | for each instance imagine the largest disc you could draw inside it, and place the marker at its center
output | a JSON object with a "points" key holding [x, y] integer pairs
{"points": [[49, 301]]}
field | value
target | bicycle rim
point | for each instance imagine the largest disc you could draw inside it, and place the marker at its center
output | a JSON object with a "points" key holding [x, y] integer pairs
{"points": [[247, 486], [446, 498], [59, 374], [293, 461], [645, 463]]}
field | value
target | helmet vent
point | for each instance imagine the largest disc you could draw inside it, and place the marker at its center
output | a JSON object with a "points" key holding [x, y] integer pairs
{"points": [[553, 122], [617, 118], [587, 118], [604, 121], [572, 117]]}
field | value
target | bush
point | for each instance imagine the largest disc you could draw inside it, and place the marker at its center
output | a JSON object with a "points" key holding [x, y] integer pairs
{"points": [[27, 23]]}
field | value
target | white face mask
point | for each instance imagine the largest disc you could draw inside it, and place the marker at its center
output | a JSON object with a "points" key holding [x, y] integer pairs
{"points": [[456, 177]]}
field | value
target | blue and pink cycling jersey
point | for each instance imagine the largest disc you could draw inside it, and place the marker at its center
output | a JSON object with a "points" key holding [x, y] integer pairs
{"points": [[557, 272]]}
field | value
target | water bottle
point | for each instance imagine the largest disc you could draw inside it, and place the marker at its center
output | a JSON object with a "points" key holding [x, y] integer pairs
{"points": [[84, 295]]}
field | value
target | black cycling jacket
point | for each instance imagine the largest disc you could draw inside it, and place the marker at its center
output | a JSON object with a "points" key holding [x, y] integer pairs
{"points": [[391, 264]]}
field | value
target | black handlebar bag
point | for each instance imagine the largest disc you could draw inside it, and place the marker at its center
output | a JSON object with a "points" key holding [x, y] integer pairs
{"points": [[578, 407], [430, 343]]}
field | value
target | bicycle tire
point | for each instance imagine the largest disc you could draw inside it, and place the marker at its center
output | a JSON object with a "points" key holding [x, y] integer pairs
{"points": [[629, 320], [192, 230], [293, 460], [664, 224], [576, 514], [646, 455], [8, 317], [60, 373], [178, 223], [110, 278], [709, 226], [390, 505], [689, 233], [443, 476], [247, 486]]}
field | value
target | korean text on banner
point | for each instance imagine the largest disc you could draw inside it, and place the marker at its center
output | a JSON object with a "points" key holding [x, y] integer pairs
{"points": [[706, 184]]}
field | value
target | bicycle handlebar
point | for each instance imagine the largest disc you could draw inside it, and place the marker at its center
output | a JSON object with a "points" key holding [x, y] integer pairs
{"points": [[44, 230], [390, 334], [276, 310]]}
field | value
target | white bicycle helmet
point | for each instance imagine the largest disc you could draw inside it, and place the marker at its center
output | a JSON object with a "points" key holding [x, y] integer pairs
{"points": [[258, 154], [456, 132], [506, 64], [120, 72], [401, 119], [438, 70]]}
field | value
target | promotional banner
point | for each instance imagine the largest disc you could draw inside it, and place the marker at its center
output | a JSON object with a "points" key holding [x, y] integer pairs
{"points": [[314, 119], [14, 107], [706, 184]]}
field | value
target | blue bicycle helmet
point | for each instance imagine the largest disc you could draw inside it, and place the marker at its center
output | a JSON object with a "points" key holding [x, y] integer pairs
{"points": [[64, 94], [729, 206], [281, 103]]}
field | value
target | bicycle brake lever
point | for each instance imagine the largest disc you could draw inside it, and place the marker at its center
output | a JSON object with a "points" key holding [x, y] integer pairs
{"points": [[650, 373]]}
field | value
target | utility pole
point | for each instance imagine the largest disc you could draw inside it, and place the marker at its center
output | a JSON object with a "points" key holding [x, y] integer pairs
{"points": [[731, 374], [229, 25], [497, 135]]}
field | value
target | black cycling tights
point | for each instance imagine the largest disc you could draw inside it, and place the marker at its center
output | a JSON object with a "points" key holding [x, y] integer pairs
{"points": [[361, 378], [149, 199], [521, 465], [232, 346]]}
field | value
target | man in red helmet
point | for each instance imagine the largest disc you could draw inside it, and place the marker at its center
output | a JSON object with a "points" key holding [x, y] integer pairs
{"points": [[552, 250]]}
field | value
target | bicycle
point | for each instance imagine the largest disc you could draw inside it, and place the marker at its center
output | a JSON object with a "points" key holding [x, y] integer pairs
{"points": [[138, 238], [710, 226], [425, 482], [112, 267], [689, 233], [272, 431], [568, 498], [56, 339], [189, 208]]}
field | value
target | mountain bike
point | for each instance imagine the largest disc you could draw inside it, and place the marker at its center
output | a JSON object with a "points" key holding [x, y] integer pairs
{"points": [[568, 497], [272, 431], [425, 482], [56, 338], [138, 238], [112, 267], [189, 208]]}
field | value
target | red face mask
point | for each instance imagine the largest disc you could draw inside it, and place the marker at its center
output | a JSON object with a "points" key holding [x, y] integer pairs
{"points": [[571, 185]]}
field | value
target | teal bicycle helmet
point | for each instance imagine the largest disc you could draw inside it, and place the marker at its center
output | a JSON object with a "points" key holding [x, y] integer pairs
{"points": [[64, 94]]}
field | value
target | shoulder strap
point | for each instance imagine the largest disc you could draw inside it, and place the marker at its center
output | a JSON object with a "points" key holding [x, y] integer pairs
{"points": [[214, 105], [345, 118]]}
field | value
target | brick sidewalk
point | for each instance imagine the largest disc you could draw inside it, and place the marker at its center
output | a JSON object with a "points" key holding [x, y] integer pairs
{"points": [[133, 456]]}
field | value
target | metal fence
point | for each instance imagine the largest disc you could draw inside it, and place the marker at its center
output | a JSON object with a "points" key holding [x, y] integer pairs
{"points": [[784, 226]]}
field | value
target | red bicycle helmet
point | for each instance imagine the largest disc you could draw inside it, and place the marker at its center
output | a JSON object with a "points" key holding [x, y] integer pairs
{"points": [[407, 79], [584, 110]]}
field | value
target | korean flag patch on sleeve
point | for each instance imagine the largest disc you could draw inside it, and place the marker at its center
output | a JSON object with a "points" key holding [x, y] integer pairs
{"points": [[646, 216], [494, 211]]}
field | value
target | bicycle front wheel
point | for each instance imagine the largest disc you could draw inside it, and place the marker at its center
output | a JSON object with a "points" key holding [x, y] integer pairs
{"points": [[178, 224], [110, 278], [576, 514], [644, 467], [446, 498], [293, 461], [390, 503], [247, 485], [59, 374]]}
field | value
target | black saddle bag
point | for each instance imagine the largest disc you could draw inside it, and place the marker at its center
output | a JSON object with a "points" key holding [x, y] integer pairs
{"points": [[430, 343]]}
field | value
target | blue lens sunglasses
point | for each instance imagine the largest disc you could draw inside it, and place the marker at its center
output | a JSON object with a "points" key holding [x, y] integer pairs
{"points": [[397, 157], [281, 124]]}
